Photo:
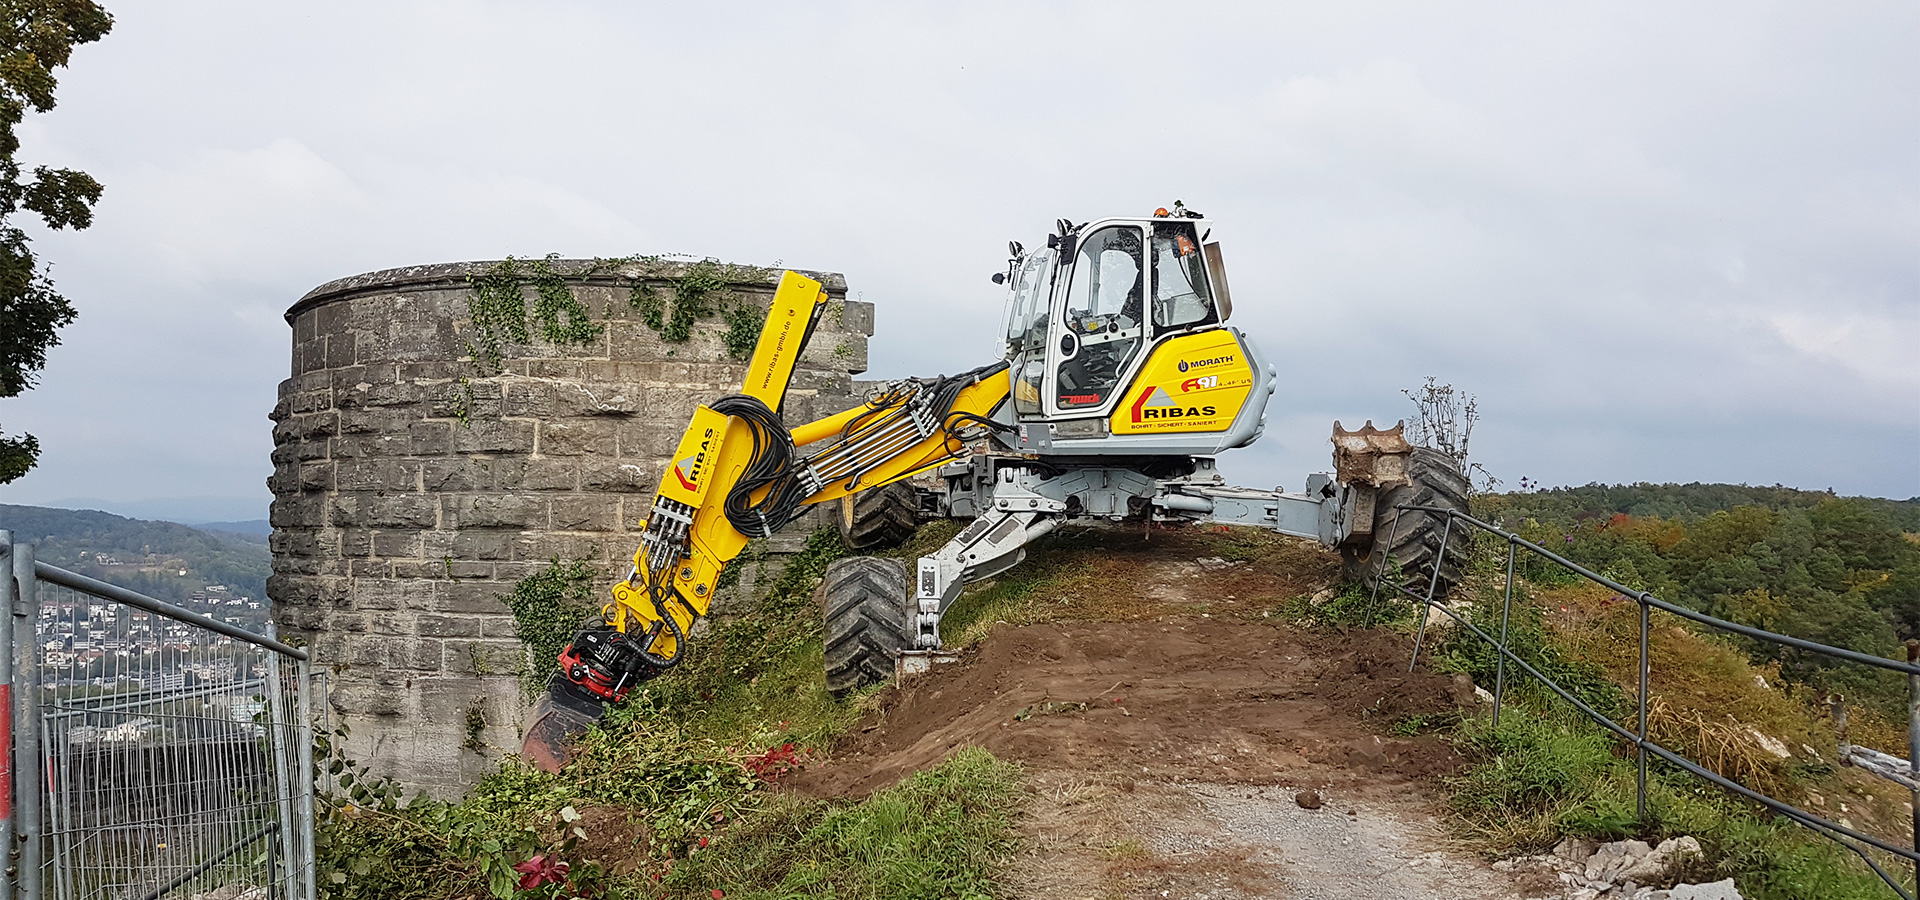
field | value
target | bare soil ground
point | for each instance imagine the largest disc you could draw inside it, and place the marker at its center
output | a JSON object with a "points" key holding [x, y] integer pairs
{"points": [[1164, 753]]}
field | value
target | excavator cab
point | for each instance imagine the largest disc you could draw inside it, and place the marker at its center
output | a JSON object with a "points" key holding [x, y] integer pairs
{"points": [[1117, 328]]}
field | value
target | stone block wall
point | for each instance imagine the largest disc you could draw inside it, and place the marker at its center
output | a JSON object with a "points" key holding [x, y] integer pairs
{"points": [[412, 490]]}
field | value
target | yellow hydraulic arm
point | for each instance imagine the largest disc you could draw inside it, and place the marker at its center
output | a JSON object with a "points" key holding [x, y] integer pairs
{"points": [[738, 474]]}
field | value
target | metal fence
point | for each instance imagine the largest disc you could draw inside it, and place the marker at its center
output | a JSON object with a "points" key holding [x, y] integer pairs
{"points": [[156, 752], [1860, 843]]}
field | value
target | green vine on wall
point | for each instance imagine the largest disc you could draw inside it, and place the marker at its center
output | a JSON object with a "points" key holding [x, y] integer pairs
{"points": [[702, 290], [500, 313], [548, 607]]}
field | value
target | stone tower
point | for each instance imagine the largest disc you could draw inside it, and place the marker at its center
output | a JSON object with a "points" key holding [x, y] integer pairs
{"points": [[415, 484]]}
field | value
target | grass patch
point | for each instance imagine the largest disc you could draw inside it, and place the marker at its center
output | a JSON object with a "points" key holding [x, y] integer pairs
{"points": [[1530, 638], [1544, 775], [685, 759], [1095, 573], [1346, 606], [944, 833]]}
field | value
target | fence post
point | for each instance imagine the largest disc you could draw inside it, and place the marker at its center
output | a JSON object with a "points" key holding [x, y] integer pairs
{"points": [[281, 730], [1913, 744], [1640, 750], [25, 671], [11, 867], [1500, 659], [1373, 601], [1433, 586], [303, 804]]}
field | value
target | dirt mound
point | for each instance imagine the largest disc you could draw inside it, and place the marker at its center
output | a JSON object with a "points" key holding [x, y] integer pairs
{"points": [[1195, 698], [607, 835]]}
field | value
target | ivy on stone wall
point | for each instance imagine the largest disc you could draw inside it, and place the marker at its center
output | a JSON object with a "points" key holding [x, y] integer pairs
{"points": [[548, 607], [500, 313], [702, 290]]}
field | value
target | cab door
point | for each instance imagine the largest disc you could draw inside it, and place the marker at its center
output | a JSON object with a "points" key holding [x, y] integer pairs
{"points": [[1029, 310], [1099, 323]]}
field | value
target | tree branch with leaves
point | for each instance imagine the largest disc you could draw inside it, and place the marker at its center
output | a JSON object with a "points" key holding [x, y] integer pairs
{"points": [[36, 37]]}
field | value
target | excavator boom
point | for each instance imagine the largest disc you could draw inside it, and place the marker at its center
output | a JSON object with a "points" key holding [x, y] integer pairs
{"points": [[736, 475]]}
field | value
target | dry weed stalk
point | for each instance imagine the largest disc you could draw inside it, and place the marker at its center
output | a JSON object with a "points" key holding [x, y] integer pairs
{"points": [[1728, 747]]}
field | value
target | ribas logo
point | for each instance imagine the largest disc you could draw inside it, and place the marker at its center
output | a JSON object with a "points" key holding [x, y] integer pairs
{"points": [[1156, 404], [688, 470]]}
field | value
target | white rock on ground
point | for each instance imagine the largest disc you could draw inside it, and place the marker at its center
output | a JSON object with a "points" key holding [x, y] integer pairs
{"points": [[1617, 870], [1717, 890]]}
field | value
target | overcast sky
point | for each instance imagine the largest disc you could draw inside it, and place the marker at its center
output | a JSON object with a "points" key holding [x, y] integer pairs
{"points": [[1660, 242]]}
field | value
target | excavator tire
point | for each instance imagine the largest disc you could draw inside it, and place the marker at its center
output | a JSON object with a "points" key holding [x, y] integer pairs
{"points": [[879, 519], [1414, 543], [866, 614]]}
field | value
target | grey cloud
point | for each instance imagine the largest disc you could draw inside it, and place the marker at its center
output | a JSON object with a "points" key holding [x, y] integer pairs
{"points": [[1661, 243]]}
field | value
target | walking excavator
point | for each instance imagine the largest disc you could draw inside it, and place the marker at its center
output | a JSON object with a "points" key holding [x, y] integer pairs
{"points": [[1119, 384]]}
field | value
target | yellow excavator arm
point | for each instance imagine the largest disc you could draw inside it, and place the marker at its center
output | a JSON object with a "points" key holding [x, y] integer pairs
{"points": [[738, 474]]}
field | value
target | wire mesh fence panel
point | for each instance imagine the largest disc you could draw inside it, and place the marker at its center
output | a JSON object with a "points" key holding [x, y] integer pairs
{"points": [[172, 756]]}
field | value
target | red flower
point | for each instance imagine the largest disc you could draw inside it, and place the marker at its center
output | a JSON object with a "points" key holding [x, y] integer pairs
{"points": [[541, 870], [769, 766], [718, 893]]}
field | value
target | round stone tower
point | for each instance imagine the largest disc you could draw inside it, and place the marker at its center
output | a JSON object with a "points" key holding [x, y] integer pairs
{"points": [[427, 458]]}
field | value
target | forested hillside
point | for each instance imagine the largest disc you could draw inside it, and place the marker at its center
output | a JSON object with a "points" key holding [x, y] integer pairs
{"points": [[145, 556], [1687, 502], [1839, 570]]}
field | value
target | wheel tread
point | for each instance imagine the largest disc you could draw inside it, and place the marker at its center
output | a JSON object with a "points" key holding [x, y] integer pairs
{"points": [[865, 608], [1413, 538], [881, 518]]}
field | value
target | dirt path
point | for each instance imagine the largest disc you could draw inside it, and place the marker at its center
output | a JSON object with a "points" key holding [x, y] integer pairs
{"points": [[1214, 841], [1165, 756]]}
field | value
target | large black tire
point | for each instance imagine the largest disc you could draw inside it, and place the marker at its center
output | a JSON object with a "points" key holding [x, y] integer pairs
{"points": [[881, 518], [1414, 542], [866, 611]]}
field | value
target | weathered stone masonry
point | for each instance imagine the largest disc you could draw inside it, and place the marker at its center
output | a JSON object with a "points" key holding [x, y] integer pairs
{"points": [[398, 526]]}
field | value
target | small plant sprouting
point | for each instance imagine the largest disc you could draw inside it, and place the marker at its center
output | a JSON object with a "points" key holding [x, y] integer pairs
{"points": [[476, 727]]}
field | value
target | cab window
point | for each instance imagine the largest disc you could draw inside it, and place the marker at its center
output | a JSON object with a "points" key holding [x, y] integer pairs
{"points": [[1106, 276], [1180, 295], [1102, 317]]}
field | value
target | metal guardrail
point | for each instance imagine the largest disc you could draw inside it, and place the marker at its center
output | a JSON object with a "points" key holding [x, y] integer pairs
{"points": [[1854, 840], [153, 752]]}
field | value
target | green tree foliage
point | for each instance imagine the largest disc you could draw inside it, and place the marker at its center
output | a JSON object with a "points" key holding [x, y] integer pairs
{"points": [[1841, 571], [36, 37], [1684, 502]]}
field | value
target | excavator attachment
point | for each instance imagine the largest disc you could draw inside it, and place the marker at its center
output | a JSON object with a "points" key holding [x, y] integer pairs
{"points": [[1119, 383], [562, 713], [1371, 456]]}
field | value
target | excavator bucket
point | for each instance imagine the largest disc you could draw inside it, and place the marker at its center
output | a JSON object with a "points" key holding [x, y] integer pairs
{"points": [[563, 712], [1371, 456]]}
